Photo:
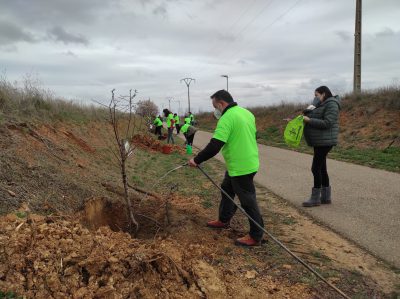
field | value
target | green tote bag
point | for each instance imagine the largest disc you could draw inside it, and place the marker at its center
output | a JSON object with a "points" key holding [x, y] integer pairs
{"points": [[294, 131]]}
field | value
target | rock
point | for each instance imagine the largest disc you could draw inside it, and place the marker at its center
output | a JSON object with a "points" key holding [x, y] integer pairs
{"points": [[113, 259], [11, 193], [251, 274], [288, 267]]}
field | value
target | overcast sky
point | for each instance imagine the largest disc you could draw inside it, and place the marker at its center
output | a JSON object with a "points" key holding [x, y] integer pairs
{"points": [[272, 50]]}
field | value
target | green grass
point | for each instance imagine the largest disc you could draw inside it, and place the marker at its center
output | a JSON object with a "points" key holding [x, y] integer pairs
{"points": [[20, 214], [149, 167], [387, 159], [8, 295]]}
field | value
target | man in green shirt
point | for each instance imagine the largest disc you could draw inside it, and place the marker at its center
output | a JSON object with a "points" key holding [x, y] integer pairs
{"points": [[187, 119], [191, 116], [158, 124], [188, 131], [235, 136], [177, 123]]}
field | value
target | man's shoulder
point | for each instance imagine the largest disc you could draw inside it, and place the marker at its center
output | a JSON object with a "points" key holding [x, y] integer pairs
{"points": [[238, 110]]}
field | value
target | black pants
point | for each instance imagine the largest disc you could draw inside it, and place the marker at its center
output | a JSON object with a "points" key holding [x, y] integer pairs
{"points": [[243, 187], [178, 128], [189, 139], [158, 131], [318, 168]]}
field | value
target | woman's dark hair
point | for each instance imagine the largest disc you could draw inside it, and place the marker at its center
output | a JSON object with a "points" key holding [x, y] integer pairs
{"points": [[324, 90], [222, 95], [166, 112]]}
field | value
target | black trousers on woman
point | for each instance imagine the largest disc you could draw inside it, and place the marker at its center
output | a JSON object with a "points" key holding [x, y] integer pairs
{"points": [[319, 170]]}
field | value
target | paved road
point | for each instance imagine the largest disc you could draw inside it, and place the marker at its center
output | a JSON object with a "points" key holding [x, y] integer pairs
{"points": [[366, 201]]}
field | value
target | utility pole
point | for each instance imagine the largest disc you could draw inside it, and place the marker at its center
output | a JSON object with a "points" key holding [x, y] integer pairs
{"points": [[226, 76], [187, 82], [169, 103], [357, 49]]}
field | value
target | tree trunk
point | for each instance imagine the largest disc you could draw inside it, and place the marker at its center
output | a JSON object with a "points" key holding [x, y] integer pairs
{"points": [[126, 195]]}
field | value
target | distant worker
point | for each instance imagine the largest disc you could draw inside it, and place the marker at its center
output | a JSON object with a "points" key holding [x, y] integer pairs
{"points": [[235, 135], [187, 119], [191, 118], [170, 125], [188, 131], [158, 124], [321, 132], [177, 123]]}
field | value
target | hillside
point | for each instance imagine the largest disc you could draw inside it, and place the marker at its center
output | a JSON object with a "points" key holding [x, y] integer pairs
{"points": [[64, 229], [369, 127]]}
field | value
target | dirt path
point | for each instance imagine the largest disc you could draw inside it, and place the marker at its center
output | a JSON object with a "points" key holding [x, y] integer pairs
{"points": [[365, 200]]}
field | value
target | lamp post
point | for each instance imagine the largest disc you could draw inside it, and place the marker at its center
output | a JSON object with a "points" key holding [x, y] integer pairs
{"points": [[226, 76]]}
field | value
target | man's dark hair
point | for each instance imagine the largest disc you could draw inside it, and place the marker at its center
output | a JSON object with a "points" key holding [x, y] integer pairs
{"points": [[222, 95], [324, 90]]}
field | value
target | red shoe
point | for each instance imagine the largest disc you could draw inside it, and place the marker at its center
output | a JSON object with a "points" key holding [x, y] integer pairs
{"points": [[247, 241], [217, 224]]}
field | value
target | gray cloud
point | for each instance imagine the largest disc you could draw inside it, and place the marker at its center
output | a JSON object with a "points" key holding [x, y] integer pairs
{"points": [[344, 35], [387, 32], [57, 33], [160, 10], [150, 45], [11, 33]]}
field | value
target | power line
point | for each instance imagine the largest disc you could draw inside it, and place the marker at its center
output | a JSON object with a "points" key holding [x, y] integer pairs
{"points": [[266, 27], [245, 27]]}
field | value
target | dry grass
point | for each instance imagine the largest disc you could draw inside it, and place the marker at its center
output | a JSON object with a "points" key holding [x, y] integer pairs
{"points": [[385, 97], [33, 103]]}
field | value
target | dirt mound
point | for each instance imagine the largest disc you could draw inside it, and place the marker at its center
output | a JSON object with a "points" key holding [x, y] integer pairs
{"points": [[58, 258], [148, 142]]}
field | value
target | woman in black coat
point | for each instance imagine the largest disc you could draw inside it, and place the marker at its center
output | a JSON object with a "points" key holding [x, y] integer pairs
{"points": [[321, 132]]}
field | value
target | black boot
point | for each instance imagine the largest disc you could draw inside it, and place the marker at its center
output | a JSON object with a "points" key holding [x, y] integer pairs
{"points": [[315, 198]]}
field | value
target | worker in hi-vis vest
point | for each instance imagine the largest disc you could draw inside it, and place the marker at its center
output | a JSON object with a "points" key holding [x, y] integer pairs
{"points": [[187, 119], [188, 131], [177, 123], [158, 124], [170, 125], [235, 137], [191, 118]]}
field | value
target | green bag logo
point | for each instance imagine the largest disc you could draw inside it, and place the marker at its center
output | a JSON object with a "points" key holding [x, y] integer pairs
{"points": [[294, 131]]}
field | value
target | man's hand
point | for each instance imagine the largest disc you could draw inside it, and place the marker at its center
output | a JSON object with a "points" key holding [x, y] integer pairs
{"points": [[306, 119], [192, 163]]}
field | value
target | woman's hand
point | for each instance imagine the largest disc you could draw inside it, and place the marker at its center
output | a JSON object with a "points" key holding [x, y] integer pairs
{"points": [[306, 119]]}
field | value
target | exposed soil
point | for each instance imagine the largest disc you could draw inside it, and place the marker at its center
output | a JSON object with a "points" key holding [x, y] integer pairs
{"points": [[148, 142]]}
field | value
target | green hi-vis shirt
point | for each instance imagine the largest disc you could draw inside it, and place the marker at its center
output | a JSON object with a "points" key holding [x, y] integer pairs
{"points": [[157, 122], [177, 120], [184, 128], [187, 120], [191, 117], [169, 118], [237, 128]]}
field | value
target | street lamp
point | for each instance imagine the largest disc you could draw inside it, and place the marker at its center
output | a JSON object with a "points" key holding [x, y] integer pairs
{"points": [[226, 76]]}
